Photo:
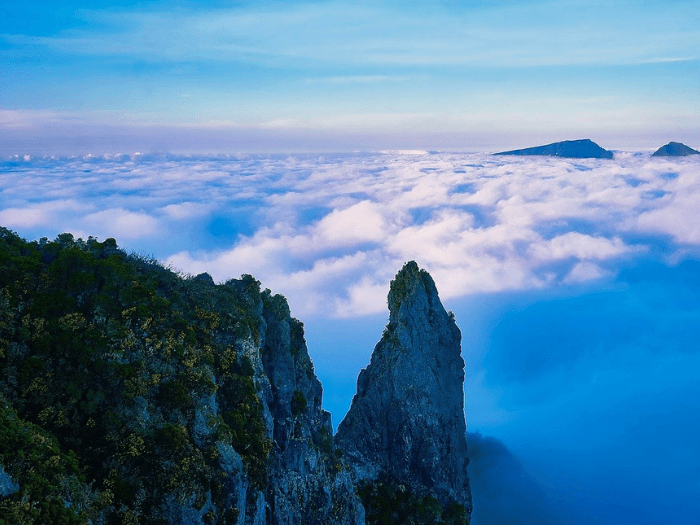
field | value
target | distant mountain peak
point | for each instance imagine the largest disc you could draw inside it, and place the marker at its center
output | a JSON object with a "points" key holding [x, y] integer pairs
{"points": [[675, 149], [576, 149]]}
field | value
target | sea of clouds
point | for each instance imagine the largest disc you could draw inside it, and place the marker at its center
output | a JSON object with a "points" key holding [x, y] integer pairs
{"points": [[574, 282], [330, 232]]}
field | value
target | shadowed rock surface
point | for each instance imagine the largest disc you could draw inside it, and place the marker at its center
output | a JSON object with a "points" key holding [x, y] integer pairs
{"points": [[575, 149], [675, 149], [406, 424], [308, 484]]}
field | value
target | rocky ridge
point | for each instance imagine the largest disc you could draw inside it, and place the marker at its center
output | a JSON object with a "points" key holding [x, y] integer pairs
{"points": [[132, 395]]}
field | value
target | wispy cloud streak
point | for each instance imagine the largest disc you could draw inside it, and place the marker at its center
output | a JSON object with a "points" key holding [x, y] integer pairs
{"points": [[387, 34]]}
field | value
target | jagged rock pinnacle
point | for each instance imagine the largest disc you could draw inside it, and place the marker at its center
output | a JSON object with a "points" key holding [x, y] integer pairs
{"points": [[406, 421]]}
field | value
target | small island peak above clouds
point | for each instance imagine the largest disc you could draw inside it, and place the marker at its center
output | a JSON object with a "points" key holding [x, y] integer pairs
{"points": [[675, 149], [575, 149]]}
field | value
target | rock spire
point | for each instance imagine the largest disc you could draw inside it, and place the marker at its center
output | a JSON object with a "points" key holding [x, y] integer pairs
{"points": [[406, 423]]}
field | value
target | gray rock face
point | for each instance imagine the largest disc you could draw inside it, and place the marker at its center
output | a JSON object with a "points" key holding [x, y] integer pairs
{"points": [[406, 421], [307, 482], [305, 478], [209, 410]]}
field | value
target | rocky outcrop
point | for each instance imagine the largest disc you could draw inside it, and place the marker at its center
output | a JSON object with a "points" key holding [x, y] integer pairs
{"points": [[674, 149], [575, 149], [303, 479], [406, 426]]}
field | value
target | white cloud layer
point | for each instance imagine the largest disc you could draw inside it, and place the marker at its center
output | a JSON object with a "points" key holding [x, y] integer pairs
{"points": [[330, 232]]}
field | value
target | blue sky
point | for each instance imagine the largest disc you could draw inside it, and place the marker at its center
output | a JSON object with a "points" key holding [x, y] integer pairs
{"points": [[334, 75]]}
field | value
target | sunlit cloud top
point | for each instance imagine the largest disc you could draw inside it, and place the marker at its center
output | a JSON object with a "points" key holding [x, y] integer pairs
{"points": [[330, 232]]}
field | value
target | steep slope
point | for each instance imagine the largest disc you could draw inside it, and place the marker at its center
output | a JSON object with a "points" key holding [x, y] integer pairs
{"points": [[674, 149], [404, 435], [130, 394], [576, 149]]}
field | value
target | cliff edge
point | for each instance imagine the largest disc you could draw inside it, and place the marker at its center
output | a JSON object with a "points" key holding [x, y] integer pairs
{"points": [[130, 394]]}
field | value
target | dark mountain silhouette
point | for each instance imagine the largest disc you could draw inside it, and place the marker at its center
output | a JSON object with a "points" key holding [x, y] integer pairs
{"points": [[575, 149], [505, 493], [675, 149]]}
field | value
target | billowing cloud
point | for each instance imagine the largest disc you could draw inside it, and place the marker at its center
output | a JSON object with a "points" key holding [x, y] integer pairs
{"points": [[330, 231], [585, 271], [361, 222], [676, 218], [22, 217], [579, 246], [44, 214], [122, 223], [186, 210]]}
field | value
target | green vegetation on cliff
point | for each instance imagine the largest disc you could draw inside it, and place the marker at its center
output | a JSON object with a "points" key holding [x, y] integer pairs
{"points": [[387, 501], [120, 382]]}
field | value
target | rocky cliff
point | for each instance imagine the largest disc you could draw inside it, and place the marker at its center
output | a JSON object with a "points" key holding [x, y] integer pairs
{"points": [[308, 482], [129, 394], [405, 427], [132, 395]]}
